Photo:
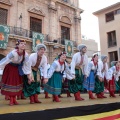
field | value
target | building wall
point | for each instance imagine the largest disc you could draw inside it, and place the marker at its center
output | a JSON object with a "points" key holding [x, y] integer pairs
{"points": [[54, 14], [92, 46], [105, 27]]}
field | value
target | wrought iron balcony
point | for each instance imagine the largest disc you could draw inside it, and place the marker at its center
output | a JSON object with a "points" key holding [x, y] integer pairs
{"points": [[62, 41], [28, 34], [25, 33], [20, 31]]}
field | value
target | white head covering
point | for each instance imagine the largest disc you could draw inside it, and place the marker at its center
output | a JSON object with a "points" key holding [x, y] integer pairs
{"points": [[39, 46], [103, 57], [95, 54], [81, 46], [113, 63]]}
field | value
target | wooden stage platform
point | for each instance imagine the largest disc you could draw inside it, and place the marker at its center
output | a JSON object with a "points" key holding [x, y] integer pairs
{"points": [[46, 104]]}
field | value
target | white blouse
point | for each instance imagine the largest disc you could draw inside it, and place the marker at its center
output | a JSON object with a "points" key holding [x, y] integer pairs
{"points": [[76, 60], [100, 68], [91, 66], [56, 67], [43, 63], [112, 72], [15, 58]]}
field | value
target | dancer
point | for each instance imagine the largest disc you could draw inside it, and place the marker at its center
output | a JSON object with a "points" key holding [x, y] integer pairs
{"points": [[42, 80], [101, 75], [65, 83], [36, 60], [89, 83], [113, 76], [79, 68], [14, 66], [55, 75], [117, 83]]}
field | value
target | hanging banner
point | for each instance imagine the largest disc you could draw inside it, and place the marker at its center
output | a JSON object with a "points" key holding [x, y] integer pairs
{"points": [[37, 39], [4, 34], [69, 47]]}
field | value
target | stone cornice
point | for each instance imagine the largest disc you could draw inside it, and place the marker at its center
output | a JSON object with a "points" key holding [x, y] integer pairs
{"points": [[53, 8], [20, 37], [36, 10], [67, 4], [6, 2], [77, 17]]}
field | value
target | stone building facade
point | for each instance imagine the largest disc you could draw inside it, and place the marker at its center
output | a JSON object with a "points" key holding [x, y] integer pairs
{"points": [[57, 20], [109, 29]]}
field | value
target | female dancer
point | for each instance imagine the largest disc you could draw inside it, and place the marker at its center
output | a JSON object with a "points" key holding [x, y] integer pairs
{"points": [[89, 83], [14, 66], [113, 75], [55, 76], [101, 74]]}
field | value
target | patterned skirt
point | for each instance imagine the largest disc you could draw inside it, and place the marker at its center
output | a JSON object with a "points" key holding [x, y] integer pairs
{"points": [[54, 84], [77, 84], [65, 84], [12, 82], [99, 86], [117, 84], [33, 88], [89, 83], [106, 84], [112, 85]]}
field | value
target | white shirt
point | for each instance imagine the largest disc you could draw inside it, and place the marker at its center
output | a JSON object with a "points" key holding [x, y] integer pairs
{"points": [[112, 72], [91, 66], [58, 68], [43, 63], [15, 58], [76, 60], [100, 68]]}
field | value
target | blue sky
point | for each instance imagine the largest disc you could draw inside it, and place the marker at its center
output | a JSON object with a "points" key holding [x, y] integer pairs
{"points": [[89, 22]]}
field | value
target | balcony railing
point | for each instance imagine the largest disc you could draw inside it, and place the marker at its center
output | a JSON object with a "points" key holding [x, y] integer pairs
{"points": [[28, 33], [25, 33], [20, 31], [62, 41]]}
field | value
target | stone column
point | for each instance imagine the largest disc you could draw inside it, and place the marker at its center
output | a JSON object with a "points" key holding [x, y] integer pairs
{"points": [[52, 20], [77, 19], [20, 13]]}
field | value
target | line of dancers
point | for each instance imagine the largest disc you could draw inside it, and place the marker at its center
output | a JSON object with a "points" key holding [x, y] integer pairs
{"points": [[19, 72]]}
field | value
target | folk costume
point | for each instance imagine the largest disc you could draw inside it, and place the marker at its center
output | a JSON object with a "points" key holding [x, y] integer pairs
{"points": [[101, 73], [14, 66], [42, 79], [117, 84], [79, 66], [32, 90], [112, 77], [55, 76], [65, 85], [89, 83]]}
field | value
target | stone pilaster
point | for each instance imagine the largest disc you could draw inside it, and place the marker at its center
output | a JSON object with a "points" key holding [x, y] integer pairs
{"points": [[52, 20], [77, 19]]}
